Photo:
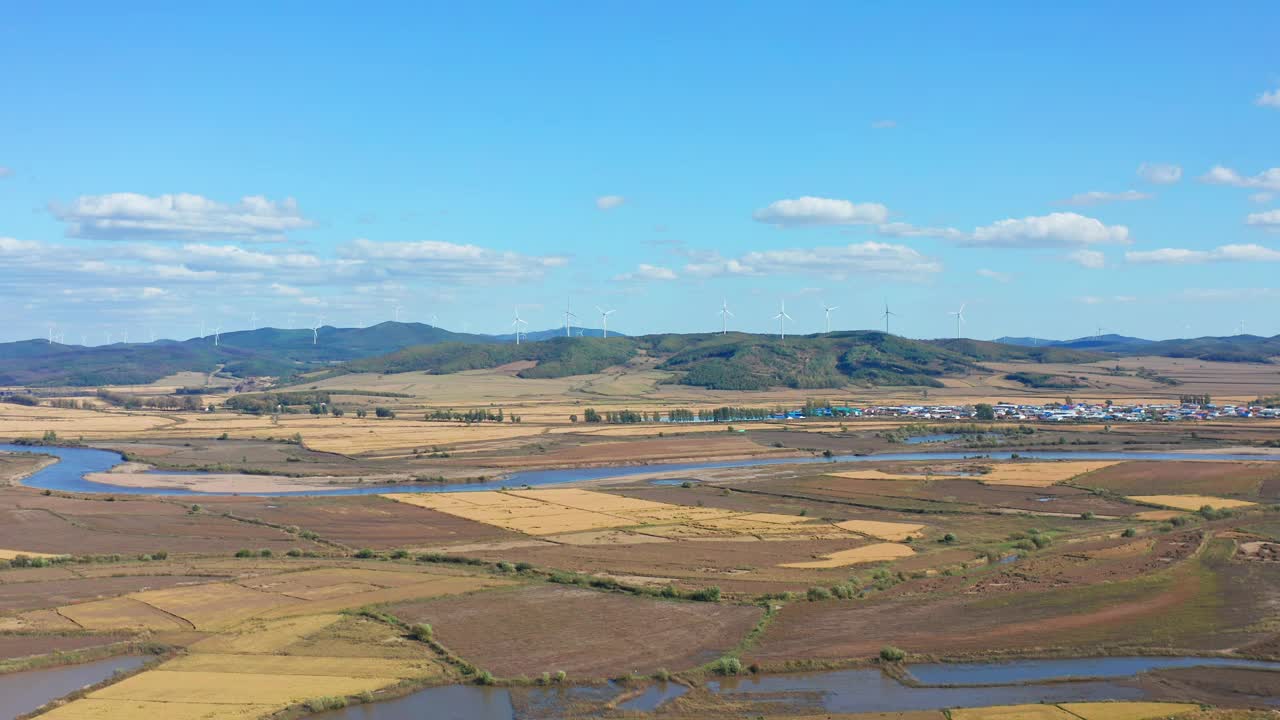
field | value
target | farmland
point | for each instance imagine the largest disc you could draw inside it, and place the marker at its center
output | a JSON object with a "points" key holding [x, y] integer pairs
{"points": [[271, 606]]}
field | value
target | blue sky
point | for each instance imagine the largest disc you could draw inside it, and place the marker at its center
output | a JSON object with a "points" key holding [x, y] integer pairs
{"points": [[165, 167]]}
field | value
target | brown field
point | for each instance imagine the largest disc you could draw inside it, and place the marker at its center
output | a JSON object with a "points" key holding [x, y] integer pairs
{"points": [[236, 688], [43, 593], [587, 634], [115, 709], [19, 646], [1245, 479], [122, 613], [1013, 712], [63, 525]]}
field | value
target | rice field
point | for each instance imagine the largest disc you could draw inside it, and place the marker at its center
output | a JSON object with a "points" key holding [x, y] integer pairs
{"points": [[571, 512], [877, 552], [1192, 502], [1040, 474]]}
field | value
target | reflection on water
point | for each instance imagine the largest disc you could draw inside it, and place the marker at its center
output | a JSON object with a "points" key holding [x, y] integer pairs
{"points": [[1040, 670], [451, 702], [22, 692], [653, 696]]}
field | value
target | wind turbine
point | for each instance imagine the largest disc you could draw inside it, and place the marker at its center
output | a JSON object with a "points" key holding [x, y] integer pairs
{"points": [[216, 331], [50, 333], [517, 323], [782, 317], [435, 321], [292, 315], [253, 320], [604, 320], [398, 308], [827, 309], [959, 315], [887, 314], [568, 315], [1098, 335], [126, 337], [315, 331], [724, 317]]}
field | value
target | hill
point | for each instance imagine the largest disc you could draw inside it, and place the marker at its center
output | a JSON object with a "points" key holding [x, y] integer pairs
{"points": [[736, 361]]}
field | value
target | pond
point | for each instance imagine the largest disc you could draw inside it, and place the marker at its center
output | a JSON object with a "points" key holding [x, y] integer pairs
{"points": [[22, 692]]}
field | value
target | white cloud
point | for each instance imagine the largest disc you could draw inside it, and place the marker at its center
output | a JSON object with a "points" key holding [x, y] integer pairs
{"points": [[1092, 259], [13, 246], [995, 275], [1269, 220], [1097, 197], [884, 124], [1160, 173], [868, 258], [609, 202], [821, 211], [125, 216], [1269, 98], [1183, 256], [645, 271], [1262, 198], [1048, 231], [449, 262], [1265, 180]]}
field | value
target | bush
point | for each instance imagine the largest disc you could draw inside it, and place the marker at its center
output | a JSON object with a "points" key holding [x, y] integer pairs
{"points": [[243, 553], [523, 566], [889, 653], [399, 554], [422, 631], [727, 666], [364, 553], [1128, 532], [707, 594], [321, 704], [294, 552], [818, 593], [505, 566], [265, 552], [844, 592], [948, 539], [560, 676], [484, 678], [1086, 516], [1041, 541], [662, 675], [384, 413]]}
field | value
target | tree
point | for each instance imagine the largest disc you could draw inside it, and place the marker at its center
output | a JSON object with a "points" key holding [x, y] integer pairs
{"points": [[984, 411], [590, 415]]}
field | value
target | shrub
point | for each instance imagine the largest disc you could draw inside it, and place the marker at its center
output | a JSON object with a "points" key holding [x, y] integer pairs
{"points": [[294, 552], [422, 631], [1025, 545], [948, 539], [243, 553], [544, 679], [662, 675], [1041, 541], [399, 554], [818, 593], [160, 555], [364, 553], [366, 696], [727, 666], [707, 594], [484, 678], [1128, 532], [889, 653], [844, 592], [560, 676], [265, 552], [505, 566], [1086, 516], [321, 704], [523, 566]]}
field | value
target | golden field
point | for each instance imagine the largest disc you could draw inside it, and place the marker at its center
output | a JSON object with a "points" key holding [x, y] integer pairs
{"points": [[857, 556], [1191, 502]]}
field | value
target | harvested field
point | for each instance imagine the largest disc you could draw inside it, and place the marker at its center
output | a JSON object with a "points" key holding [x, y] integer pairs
{"points": [[880, 475], [1184, 478], [1158, 515], [883, 530], [587, 634], [11, 554], [878, 552], [1191, 502], [1039, 474], [265, 636], [215, 606], [565, 511], [122, 613]]}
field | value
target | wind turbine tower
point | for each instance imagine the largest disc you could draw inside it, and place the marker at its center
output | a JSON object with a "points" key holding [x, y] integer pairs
{"points": [[604, 320], [568, 316], [517, 323], [315, 331], [724, 317], [888, 314], [782, 317], [827, 309], [959, 316]]}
